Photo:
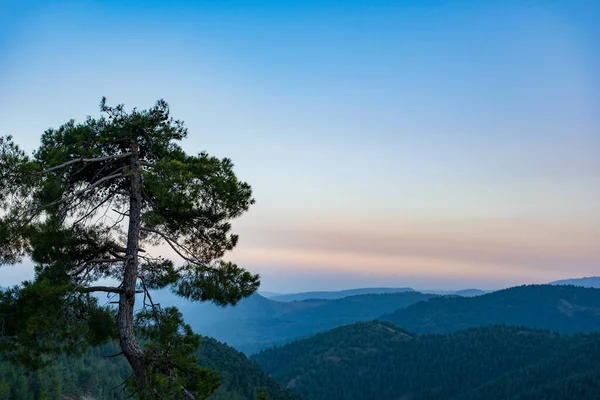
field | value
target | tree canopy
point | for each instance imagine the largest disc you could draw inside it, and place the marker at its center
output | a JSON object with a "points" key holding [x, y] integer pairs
{"points": [[87, 207]]}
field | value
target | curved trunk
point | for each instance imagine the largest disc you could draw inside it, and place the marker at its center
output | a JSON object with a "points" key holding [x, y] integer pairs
{"points": [[131, 348]]}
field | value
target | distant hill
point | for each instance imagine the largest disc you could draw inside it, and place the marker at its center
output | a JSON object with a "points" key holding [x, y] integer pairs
{"points": [[257, 306], [471, 292], [269, 294], [331, 295], [98, 377], [564, 309], [377, 360], [464, 292], [353, 292], [276, 323], [205, 314], [589, 282]]}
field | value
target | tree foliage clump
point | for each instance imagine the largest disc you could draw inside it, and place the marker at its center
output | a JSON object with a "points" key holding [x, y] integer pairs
{"points": [[87, 207]]}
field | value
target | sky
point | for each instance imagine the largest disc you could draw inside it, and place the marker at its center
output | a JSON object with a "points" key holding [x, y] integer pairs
{"points": [[432, 144]]}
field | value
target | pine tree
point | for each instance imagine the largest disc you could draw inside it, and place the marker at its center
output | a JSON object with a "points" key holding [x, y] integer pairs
{"points": [[87, 206]]}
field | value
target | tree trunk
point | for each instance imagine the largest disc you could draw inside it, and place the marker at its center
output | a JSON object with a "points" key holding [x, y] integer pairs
{"points": [[131, 348]]}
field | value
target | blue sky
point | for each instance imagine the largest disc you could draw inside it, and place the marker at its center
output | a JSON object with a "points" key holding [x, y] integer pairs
{"points": [[436, 144]]}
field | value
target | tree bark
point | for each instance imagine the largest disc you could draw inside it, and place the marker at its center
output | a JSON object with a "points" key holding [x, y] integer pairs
{"points": [[129, 344]]}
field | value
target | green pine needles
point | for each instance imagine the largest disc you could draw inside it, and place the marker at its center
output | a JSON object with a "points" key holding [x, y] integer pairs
{"points": [[87, 207]]}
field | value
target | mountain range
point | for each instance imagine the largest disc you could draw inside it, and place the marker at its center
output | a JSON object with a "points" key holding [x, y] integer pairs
{"points": [[258, 322], [453, 347], [331, 295], [378, 360]]}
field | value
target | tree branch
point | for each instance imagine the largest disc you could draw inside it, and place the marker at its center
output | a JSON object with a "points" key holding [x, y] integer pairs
{"points": [[117, 221], [114, 355], [188, 394], [152, 305], [87, 189], [86, 160], [107, 289], [121, 213], [120, 249], [175, 246], [93, 210], [83, 266]]}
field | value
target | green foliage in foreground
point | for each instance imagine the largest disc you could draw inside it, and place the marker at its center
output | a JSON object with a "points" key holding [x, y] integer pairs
{"points": [[41, 319], [99, 376], [377, 360]]}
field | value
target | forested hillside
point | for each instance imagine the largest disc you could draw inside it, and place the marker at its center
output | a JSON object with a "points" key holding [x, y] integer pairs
{"points": [[100, 377], [565, 309], [241, 378], [270, 323], [377, 360], [91, 374]]}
